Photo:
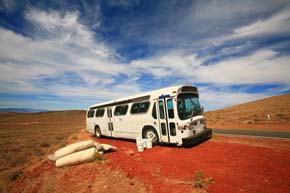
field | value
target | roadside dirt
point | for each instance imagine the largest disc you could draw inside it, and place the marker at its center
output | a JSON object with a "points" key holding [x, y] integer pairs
{"points": [[236, 165], [260, 126]]}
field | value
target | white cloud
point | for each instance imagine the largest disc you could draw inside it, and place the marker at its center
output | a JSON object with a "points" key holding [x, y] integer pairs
{"points": [[261, 67], [174, 62], [276, 24], [213, 99], [59, 45]]}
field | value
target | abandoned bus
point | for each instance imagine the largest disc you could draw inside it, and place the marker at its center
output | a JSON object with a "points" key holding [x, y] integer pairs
{"points": [[168, 115]]}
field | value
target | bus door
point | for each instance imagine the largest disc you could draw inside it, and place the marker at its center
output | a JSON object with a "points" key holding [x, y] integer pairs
{"points": [[167, 126], [171, 123], [110, 121]]}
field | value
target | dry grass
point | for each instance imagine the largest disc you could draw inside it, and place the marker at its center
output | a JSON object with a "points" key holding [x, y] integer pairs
{"points": [[254, 112], [29, 137]]}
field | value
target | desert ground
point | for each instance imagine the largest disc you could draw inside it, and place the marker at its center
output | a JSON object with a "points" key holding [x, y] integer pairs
{"points": [[253, 115], [221, 164]]}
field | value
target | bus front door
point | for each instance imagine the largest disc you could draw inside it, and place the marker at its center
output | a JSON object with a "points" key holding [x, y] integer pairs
{"points": [[162, 121], [110, 122], [166, 119]]}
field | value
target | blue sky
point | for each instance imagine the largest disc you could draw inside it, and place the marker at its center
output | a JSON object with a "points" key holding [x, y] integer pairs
{"points": [[71, 54]]}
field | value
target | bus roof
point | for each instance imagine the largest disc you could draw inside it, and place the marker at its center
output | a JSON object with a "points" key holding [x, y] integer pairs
{"points": [[154, 94]]}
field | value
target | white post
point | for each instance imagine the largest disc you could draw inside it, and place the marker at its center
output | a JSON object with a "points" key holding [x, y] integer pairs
{"points": [[269, 118]]}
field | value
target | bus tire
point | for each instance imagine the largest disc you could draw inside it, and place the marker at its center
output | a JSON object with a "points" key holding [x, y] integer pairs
{"points": [[98, 133], [150, 132]]}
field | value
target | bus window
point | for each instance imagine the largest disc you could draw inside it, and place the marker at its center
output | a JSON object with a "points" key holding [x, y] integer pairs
{"points": [[140, 107], [170, 109], [172, 129], [188, 106], [161, 109], [121, 110], [91, 113], [135, 108], [144, 107], [163, 129], [154, 111], [100, 112]]}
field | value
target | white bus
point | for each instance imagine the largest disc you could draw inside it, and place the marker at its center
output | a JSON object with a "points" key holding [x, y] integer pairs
{"points": [[169, 115]]}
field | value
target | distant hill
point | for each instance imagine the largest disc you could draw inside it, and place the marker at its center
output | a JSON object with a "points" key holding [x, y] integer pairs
{"points": [[254, 112], [22, 110], [73, 116]]}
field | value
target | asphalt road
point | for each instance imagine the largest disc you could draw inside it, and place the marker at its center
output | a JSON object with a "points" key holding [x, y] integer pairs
{"points": [[253, 133]]}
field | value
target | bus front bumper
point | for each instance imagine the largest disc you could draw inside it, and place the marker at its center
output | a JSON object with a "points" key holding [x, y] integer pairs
{"points": [[206, 134]]}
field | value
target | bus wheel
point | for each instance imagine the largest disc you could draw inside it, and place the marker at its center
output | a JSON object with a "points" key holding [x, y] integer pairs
{"points": [[98, 132], [151, 134]]}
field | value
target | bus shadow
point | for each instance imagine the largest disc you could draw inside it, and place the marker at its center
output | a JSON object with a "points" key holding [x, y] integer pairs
{"points": [[119, 139], [187, 146]]}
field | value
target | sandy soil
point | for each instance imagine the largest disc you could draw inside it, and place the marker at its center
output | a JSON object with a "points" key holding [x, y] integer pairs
{"points": [[253, 115], [235, 164]]}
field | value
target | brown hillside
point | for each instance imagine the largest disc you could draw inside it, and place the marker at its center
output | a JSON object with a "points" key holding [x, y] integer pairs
{"points": [[253, 114], [76, 116]]}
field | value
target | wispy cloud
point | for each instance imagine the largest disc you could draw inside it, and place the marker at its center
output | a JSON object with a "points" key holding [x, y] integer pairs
{"points": [[277, 24], [67, 54], [260, 67], [60, 44]]}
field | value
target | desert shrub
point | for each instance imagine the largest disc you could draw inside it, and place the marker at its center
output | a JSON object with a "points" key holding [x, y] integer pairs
{"points": [[15, 175], [44, 144], [60, 137], [63, 144], [74, 137], [200, 181], [280, 115], [37, 151]]}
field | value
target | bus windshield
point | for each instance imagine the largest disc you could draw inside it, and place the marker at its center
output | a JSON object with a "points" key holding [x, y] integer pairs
{"points": [[188, 106]]}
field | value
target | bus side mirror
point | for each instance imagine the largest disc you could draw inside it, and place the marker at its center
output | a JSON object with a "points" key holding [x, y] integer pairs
{"points": [[202, 109]]}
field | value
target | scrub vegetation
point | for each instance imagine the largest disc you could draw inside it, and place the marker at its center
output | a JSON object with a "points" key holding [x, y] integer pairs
{"points": [[254, 115], [28, 137]]}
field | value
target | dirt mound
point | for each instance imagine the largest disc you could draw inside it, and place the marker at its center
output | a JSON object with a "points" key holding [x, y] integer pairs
{"points": [[254, 114]]}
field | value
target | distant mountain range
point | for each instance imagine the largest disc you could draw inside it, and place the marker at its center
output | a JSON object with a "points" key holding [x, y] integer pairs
{"points": [[22, 110]]}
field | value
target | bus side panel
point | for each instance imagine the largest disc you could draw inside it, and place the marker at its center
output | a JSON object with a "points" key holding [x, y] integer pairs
{"points": [[102, 122], [90, 125]]}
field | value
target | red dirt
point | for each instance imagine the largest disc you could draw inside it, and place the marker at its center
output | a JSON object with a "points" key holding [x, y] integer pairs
{"points": [[236, 165]]}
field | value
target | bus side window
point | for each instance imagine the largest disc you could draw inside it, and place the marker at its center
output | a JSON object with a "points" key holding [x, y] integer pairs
{"points": [[161, 109], [117, 110], [154, 115], [100, 112], [121, 110], [135, 108], [91, 113], [144, 107], [124, 109], [170, 108]]}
